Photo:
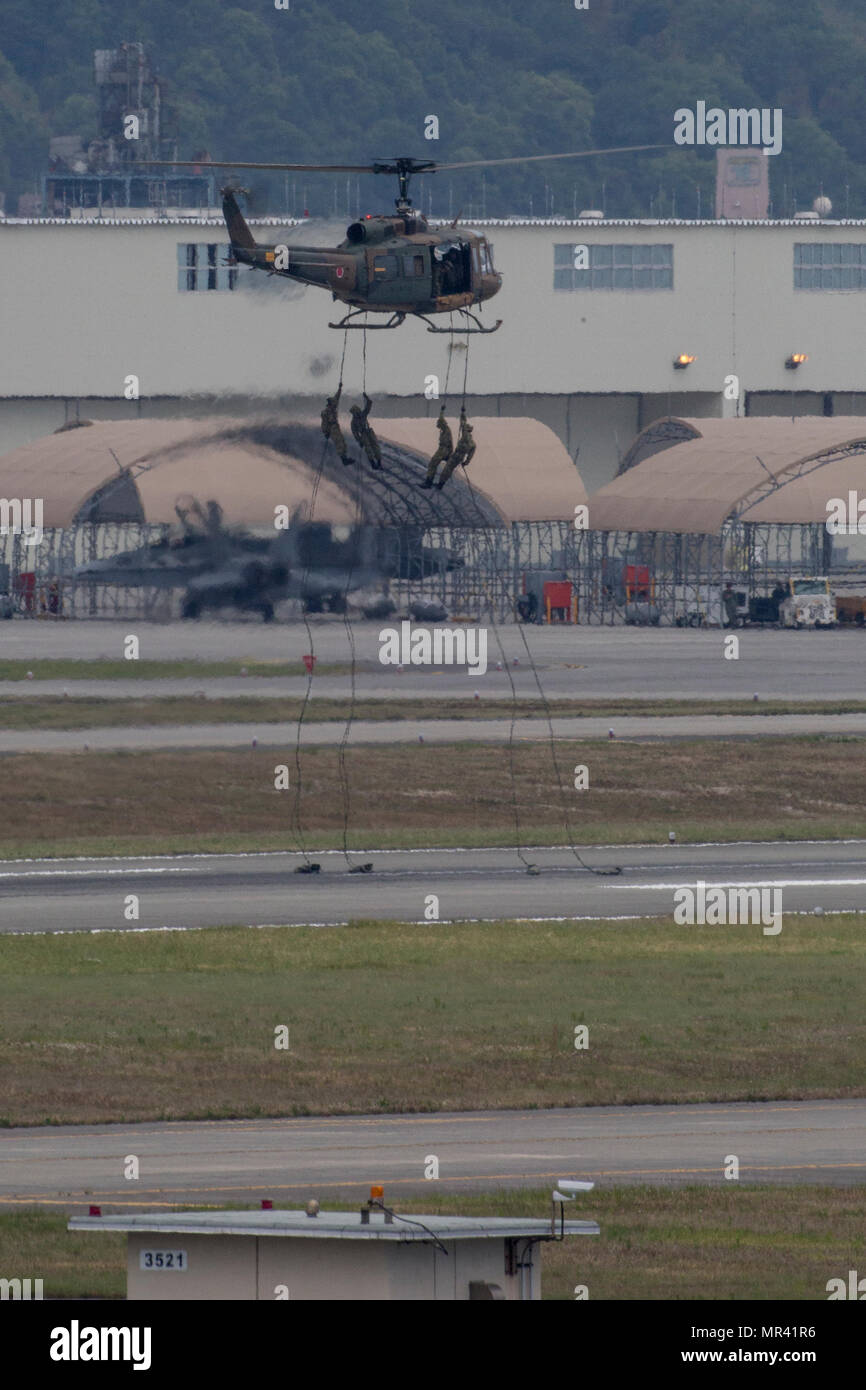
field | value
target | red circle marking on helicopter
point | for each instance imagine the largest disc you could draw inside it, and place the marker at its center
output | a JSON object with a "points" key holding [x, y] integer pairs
{"points": [[340, 272]]}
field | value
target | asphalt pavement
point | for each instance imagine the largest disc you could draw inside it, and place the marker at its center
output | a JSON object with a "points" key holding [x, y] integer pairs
{"points": [[591, 662], [187, 891], [338, 1157]]}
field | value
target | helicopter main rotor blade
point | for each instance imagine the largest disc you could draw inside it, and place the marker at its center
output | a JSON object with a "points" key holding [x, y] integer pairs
{"points": [[534, 158], [235, 164], [387, 166]]}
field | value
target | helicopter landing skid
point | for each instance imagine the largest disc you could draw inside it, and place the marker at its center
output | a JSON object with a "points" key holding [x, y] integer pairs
{"points": [[394, 321], [479, 328]]}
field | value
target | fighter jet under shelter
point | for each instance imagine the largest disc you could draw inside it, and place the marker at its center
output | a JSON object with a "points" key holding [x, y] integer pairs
{"points": [[218, 567]]}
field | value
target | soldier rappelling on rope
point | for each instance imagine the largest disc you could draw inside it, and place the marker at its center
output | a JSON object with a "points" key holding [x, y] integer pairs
{"points": [[331, 425], [445, 450], [463, 453], [364, 433]]}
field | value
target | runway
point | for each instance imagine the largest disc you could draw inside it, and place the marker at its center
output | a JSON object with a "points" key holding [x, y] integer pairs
{"points": [[337, 1158], [591, 662], [187, 891]]}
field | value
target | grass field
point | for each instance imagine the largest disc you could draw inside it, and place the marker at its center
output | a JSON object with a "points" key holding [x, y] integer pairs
{"points": [[77, 712], [406, 795], [730, 1243], [387, 1017]]}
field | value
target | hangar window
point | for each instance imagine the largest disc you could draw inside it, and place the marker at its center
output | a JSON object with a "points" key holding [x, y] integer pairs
{"points": [[200, 267], [823, 265], [616, 267]]}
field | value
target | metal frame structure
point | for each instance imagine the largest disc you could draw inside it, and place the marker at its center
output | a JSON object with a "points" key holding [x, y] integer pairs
{"points": [[687, 571]]}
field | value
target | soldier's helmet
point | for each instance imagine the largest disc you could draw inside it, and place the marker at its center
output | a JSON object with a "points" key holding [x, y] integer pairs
{"points": [[356, 410]]}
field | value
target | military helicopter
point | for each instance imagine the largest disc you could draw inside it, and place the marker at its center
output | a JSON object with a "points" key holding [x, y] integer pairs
{"points": [[392, 264]]}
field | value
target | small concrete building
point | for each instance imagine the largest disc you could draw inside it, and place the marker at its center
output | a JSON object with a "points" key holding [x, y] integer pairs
{"points": [[367, 1256]]}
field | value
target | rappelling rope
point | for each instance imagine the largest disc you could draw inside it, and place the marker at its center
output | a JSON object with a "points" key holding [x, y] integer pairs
{"points": [[297, 823], [551, 736], [515, 802], [347, 623]]}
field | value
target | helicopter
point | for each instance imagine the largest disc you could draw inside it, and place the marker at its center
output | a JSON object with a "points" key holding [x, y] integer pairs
{"points": [[395, 263]]}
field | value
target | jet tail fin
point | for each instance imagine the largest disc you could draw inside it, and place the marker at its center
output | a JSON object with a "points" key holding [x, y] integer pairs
{"points": [[239, 232]]}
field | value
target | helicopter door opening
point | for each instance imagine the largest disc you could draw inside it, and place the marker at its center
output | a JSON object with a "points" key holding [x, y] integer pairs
{"points": [[453, 268], [467, 268]]}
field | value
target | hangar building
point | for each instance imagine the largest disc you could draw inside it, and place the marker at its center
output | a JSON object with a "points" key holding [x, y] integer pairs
{"points": [[113, 486], [700, 503], [697, 503], [595, 315]]}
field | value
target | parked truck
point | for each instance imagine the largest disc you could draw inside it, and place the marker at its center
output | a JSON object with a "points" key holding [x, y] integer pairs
{"points": [[809, 603]]}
